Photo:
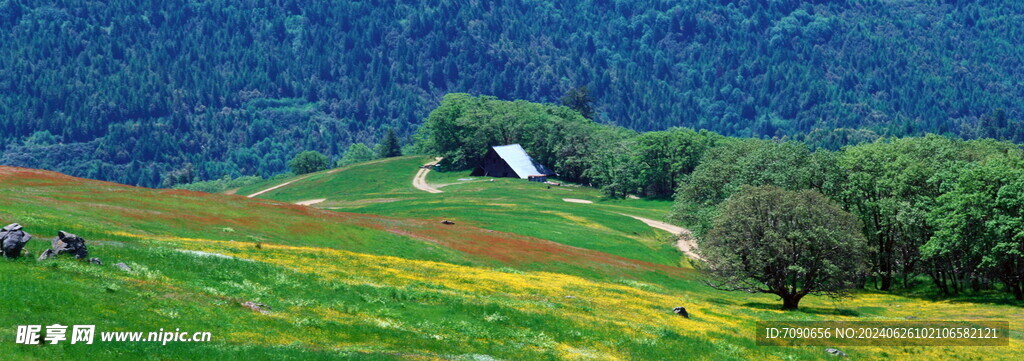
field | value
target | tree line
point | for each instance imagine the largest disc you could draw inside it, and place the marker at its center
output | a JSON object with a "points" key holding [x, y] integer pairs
{"points": [[932, 207]]}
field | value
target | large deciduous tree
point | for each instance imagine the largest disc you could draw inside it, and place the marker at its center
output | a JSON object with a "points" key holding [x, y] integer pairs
{"points": [[357, 153], [308, 162], [788, 243], [737, 162], [665, 157]]}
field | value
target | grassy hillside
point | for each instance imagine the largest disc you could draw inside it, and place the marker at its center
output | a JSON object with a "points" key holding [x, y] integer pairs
{"points": [[383, 187], [390, 282]]}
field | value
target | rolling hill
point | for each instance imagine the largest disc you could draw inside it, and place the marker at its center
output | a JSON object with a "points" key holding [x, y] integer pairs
{"points": [[370, 272]]}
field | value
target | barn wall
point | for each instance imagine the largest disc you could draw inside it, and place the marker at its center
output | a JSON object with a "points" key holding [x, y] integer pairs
{"points": [[494, 166]]}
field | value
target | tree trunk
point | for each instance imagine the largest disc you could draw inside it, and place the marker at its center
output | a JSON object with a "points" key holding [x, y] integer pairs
{"points": [[886, 267], [940, 283], [791, 301]]}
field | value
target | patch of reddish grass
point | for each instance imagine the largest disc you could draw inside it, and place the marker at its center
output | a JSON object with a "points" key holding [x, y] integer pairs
{"points": [[508, 248]]}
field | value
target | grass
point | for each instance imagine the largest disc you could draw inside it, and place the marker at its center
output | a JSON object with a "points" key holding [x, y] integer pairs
{"points": [[533, 209], [391, 283]]}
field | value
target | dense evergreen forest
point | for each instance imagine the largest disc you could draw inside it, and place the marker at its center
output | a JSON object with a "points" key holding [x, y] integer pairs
{"points": [[157, 92]]}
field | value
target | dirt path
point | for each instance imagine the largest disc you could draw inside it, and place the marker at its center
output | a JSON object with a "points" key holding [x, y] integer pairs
{"points": [[686, 243], [332, 171], [420, 180], [274, 187], [311, 202]]}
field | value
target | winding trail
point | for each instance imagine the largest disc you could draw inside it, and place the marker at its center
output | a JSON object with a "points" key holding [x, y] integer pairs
{"points": [[420, 180], [275, 187], [686, 243]]}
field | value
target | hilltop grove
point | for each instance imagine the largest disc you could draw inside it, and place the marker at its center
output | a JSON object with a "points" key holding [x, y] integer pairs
{"points": [[932, 208]]}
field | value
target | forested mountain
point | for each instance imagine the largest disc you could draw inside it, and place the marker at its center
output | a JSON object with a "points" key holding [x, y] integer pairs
{"points": [[133, 91]]}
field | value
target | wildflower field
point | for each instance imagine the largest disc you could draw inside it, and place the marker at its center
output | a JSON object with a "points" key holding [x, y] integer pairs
{"points": [[370, 273]]}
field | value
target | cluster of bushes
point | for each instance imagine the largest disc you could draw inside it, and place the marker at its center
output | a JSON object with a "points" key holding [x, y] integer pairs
{"points": [[948, 209]]}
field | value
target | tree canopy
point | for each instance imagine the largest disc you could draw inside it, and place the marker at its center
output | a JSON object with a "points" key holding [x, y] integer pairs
{"points": [[308, 162], [787, 243], [357, 153], [979, 226]]}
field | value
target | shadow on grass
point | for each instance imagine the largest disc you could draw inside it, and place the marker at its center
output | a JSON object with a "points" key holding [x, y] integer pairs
{"points": [[922, 288], [807, 310], [983, 297]]}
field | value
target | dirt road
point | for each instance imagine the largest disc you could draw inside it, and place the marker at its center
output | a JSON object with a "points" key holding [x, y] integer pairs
{"points": [[420, 180], [686, 243], [274, 187]]}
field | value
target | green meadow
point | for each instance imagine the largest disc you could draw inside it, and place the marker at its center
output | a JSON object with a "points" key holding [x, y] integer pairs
{"points": [[370, 273], [500, 204]]}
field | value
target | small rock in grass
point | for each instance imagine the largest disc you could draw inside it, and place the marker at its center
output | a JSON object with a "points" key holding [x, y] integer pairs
{"points": [[122, 266], [835, 352], [256, 306], [447, 222], [681, 311], [47, 254], [910, 318], [96, 261], [12, 240]]}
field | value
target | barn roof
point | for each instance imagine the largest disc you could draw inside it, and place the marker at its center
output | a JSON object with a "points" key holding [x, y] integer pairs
{"points": [[519, 161]]}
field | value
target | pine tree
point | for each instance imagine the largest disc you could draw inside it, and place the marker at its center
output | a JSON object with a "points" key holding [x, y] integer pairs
{"points": [[389, 146]]}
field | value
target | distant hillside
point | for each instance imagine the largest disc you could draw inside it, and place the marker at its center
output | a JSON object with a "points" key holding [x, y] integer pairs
{"points": [[131, 90]]}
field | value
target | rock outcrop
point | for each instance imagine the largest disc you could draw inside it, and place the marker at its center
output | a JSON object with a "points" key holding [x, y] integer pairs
{"points": [[66, 243], [12, 240]]}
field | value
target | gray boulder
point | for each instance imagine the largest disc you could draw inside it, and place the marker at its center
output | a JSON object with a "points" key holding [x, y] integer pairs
{"points": [[835, 352], [66, 243], [12, 240], [122, 266]]}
